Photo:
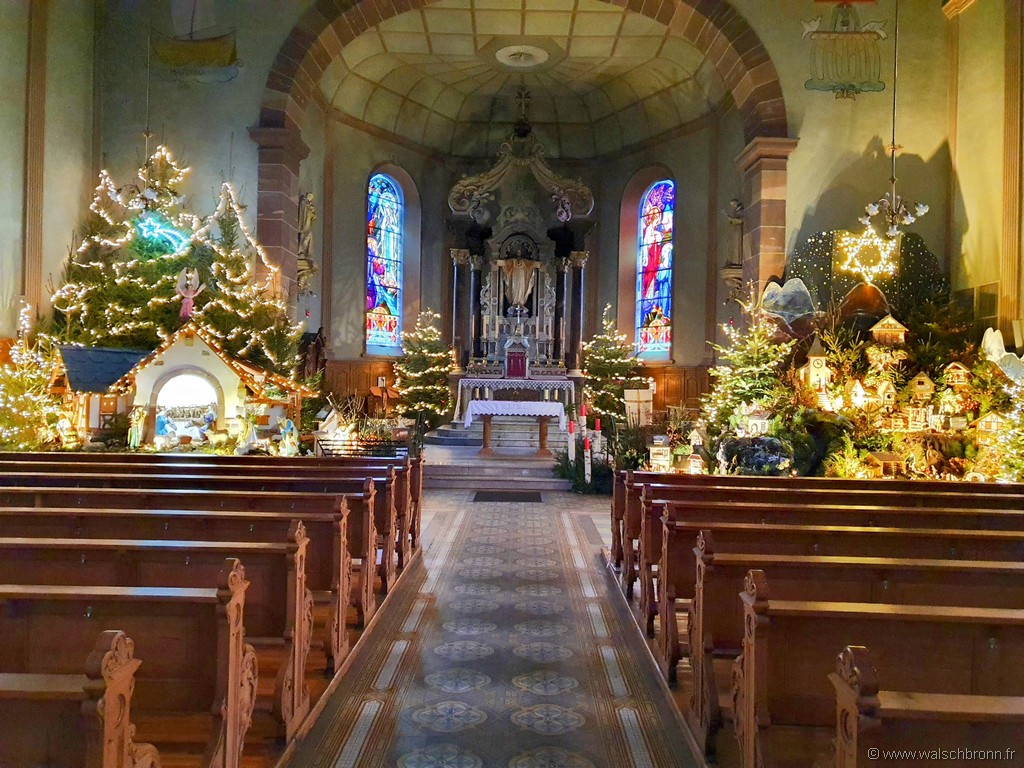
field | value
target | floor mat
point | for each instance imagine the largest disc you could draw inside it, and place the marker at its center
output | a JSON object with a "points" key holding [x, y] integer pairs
{"points": [[511, 497]]}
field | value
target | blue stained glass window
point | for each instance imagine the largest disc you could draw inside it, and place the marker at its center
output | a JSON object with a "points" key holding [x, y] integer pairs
{"points": [[384, 229], [654, 269]]}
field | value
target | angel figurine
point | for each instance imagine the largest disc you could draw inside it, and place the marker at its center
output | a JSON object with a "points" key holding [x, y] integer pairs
{"points": [[188, 288]]}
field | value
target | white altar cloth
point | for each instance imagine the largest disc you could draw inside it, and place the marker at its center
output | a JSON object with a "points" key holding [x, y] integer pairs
{"points": [[541, 385], [478, 408]]}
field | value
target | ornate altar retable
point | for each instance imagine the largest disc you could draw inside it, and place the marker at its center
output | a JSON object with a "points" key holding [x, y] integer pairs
{"points": [[518, 231]]}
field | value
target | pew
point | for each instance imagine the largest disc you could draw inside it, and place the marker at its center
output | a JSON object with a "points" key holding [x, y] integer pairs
{"points": [[250, 469], [353, 536], [869, 718], [379, 530], [199, 667], [245, 463], [716, 628], [677, 569], [278, 605], [780, 680], [628, 484], [81, 719], [876, 503]]}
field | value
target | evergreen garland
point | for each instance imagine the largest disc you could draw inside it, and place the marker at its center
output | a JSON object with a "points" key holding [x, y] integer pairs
{"points": [[610, 366], [422, 373]]}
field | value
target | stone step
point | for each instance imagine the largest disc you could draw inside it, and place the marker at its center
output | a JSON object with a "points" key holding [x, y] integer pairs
{"points": [[506, 432], [497, 473]]}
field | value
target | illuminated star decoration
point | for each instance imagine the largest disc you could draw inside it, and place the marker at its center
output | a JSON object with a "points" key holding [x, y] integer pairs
{"points": [[868, 255], [156, 228]]}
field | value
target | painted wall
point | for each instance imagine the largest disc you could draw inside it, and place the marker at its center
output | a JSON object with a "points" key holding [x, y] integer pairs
{"points": [[13, 70], [69, 177], [978, 189]]}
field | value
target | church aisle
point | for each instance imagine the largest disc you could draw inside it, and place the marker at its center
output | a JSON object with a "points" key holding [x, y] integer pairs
{"points": [[504, 646]]}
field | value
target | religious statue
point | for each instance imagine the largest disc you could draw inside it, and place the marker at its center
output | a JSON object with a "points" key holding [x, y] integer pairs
{"points": [[721, 460], [188, 288], [136, 423], [289, 445], [519, 277], [66, 432], [246, 437], [305, 267]]}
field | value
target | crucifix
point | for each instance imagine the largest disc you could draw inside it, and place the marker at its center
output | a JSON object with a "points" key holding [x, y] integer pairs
{"points": [[523, 98]]}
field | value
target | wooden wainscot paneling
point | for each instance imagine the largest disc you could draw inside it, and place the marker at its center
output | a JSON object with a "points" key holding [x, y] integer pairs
{"points": [[679, 385], [355, 377]]}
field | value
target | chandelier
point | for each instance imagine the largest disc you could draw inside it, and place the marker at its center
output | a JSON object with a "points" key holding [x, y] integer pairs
{"points": [[894, 210]]}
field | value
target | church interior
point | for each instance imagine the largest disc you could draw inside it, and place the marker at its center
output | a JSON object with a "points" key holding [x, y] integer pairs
{"points": [[511, 383]]}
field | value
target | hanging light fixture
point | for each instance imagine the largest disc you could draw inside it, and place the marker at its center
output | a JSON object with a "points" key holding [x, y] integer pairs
{"points": [[895, 211]]}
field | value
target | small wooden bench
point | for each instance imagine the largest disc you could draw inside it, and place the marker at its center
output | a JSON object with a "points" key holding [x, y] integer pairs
{"points": [[869, 718], [789, 648], [199, 668], [75, 719]]}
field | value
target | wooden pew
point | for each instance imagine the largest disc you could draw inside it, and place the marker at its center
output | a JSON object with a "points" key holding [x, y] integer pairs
{"points": [[76, 719], [875, 501], [869, 718], [780, 681], [716, 627], [278, 605], [354, 531], [274, 463], [199, 668], [677, 569], [268, 467], [379, 530]]}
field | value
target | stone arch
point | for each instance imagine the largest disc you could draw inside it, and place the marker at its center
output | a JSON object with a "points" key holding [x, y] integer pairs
{"points": [[712, 26]]}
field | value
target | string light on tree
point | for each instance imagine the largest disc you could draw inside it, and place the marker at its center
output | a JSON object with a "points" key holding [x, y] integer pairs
{"points": [[610, 366], [422, 372], [27, 408]]}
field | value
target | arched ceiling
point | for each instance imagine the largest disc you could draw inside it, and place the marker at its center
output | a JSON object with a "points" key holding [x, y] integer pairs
{"points": [[446, 75]]}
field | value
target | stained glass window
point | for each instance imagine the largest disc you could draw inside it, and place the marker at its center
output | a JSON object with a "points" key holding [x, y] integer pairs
{"points": [[654, 269], [384, 224]]}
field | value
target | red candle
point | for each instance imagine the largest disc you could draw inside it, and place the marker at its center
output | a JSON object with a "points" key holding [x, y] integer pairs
{"points": [[586, 443], [583, 410], [597, 425], [572, 427]]}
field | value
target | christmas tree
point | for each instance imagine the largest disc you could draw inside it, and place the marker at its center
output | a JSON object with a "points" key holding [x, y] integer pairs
{"points": [[750, 373], [422, 373], [27, 409], [145, 266], [610, 366], [1010, 443]]}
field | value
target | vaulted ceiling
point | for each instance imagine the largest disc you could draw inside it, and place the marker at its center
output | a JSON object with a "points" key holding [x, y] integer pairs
{"points": [[446, 76]]}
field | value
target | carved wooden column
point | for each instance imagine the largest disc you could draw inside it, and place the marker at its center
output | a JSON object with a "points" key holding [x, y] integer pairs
{"points": [[280, 152], [763, 167]]}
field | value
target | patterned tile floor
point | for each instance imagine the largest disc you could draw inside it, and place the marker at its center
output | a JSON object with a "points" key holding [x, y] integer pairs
{"points": [[503, 646]]}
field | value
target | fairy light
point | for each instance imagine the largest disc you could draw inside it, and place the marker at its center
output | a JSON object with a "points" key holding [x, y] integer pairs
{"points": [[610, 366], [421, 374], [868, 255], [27, 407]]}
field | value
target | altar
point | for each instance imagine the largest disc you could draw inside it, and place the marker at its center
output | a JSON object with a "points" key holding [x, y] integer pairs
{"points": [[472, 389], [485, 410]]}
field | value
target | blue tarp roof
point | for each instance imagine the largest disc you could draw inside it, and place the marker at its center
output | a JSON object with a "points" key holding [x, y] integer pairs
{"points": [[94, 369]]}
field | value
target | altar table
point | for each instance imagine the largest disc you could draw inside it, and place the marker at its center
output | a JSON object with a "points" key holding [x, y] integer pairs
{"points": [[542, 411], [539, 385]]}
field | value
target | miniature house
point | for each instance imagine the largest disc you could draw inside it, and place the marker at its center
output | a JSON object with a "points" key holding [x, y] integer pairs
{"points": [[886, 393], [922, 388], [82, 377], [191, 365], [757, 422], [885, 463], [889, 331], [956, 375], [988, 427]]}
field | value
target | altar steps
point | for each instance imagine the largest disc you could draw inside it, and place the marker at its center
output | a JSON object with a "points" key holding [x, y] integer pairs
{"points": [[506, 432], [508, 472]]}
